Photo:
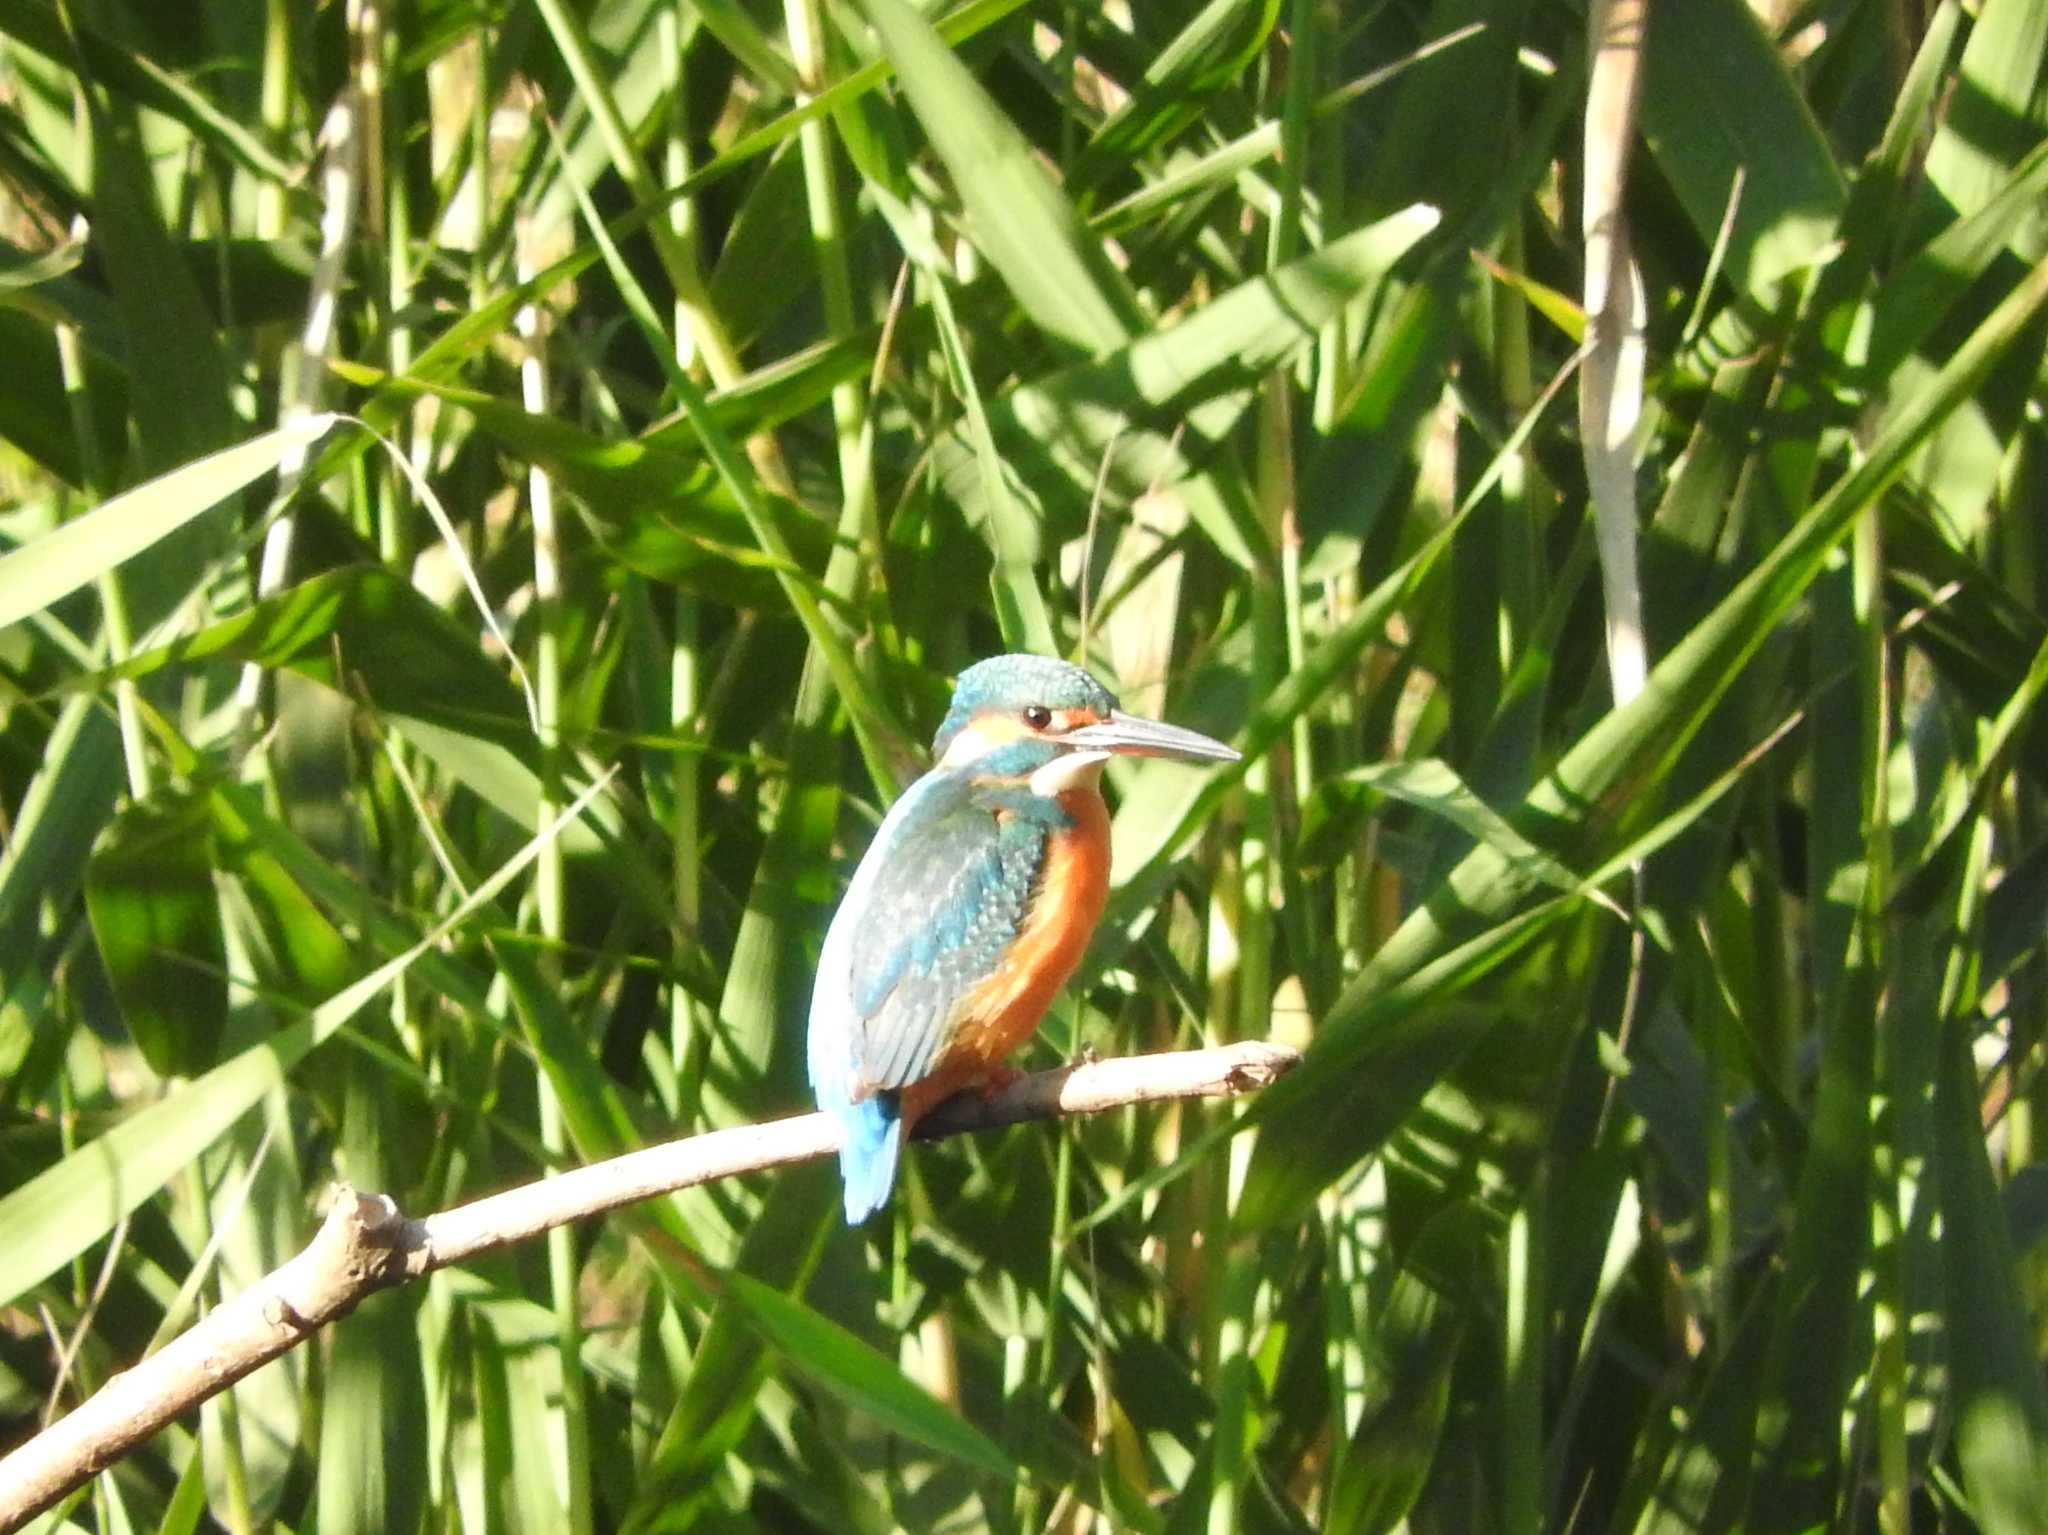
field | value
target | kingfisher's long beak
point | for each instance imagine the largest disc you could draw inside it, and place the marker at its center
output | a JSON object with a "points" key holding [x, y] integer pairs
{"points": [[1132, 735]]}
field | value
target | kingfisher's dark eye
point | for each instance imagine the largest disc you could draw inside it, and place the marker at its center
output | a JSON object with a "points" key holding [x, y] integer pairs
{"points": [[1037, 716]]}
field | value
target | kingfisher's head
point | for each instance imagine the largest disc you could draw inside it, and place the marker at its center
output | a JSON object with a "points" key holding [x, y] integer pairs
{"points": [[1046, 720]]}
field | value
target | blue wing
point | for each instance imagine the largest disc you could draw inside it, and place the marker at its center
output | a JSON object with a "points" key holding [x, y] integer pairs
{"points": [[939, 897]]}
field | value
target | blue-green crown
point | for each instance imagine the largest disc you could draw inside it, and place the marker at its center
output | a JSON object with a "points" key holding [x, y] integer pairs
{"points": [[1006, 684]]}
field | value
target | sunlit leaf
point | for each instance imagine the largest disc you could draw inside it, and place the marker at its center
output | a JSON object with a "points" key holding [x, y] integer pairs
{"points": [[58, 563]]}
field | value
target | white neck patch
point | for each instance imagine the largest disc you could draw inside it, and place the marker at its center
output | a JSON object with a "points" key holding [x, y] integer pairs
{"points": [[1069, 770]]}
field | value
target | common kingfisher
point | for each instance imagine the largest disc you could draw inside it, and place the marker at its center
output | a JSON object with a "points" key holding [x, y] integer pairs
{"points": [[973, 904]]}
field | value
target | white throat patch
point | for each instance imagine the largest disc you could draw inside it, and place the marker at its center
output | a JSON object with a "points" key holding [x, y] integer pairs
{"points": [[1067, 771]]}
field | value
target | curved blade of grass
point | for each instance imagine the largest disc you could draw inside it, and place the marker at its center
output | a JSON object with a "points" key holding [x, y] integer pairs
{"points": [[1913, 300], [66, 803], [1434, 143], [1717, 102], [1017, 217], [180, 375], [289, 875], [364, 630], [655, 499], [1703, 1479], [1432, 785], [732, 26], [594, 1112], [372, 1450], [1177, 391], [779, 1250], [149, 893], [1012, 531], [1414, 1339], [26, 270], [1998, 115], [139, 79], [63, 560], [870, 1382], [1567, 314], [1213, 170], [2001, 1403], [360, 626], [1209, 54]]}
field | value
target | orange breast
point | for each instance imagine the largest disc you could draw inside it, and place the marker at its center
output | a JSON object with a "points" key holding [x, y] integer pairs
{"points": [[1003, 1011]]}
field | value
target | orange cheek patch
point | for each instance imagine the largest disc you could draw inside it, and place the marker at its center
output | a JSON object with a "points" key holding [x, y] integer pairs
{"points": [[1072, 719], [981, 736]]}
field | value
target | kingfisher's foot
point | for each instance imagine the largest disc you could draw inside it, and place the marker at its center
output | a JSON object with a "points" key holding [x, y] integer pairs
{"points": [[997, 1078]]}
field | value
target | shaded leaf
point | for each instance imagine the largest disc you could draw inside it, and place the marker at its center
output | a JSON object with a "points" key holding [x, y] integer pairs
{"points": [[149, 891]]}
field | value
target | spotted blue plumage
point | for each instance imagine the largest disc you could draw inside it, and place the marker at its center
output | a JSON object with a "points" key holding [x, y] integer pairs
{"points": [[941, 894]]}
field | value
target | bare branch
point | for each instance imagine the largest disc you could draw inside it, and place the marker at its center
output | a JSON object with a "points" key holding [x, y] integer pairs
{"points": [[366, 1244]]}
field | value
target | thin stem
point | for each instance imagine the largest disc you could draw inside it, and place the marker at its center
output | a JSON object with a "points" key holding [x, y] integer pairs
{"points": [[688, 1027], [119, 632], [548, 892]]}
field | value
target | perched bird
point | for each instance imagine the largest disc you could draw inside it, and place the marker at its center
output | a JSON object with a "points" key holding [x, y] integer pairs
{"points": [[973, 905]]}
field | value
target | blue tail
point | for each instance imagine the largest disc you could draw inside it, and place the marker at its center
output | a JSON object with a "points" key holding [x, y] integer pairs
{"points": [[867, 1157]]}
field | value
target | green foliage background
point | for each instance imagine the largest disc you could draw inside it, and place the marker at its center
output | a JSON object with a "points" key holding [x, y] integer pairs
{"points": [[1663, 1158]]}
